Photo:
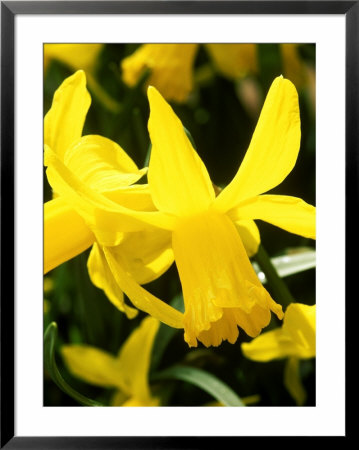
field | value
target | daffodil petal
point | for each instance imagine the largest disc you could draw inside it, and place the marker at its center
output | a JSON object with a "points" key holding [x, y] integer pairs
{"points": [[170, 66], [226, 328], [290, 213], [253, 323], [92, 365], [141, 298], [267, 346], [146, 254], [101, 276], [299, 326], [134, 359], [178, 179], [101, 164], [249, 234], [273, 150], [295, 338], [105, 217], [293, 382], [234, 60], [136, 196], [65, 234], [76, 56], [64, 121]]}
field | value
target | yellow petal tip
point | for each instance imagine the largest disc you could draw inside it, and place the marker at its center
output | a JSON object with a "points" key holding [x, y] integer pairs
{"points": [[79, 76], [152, 93]]}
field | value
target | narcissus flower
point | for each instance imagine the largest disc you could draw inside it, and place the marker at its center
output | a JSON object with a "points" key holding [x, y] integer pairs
{"points": [[171, 65], [239, 60], [127, 372], [76, 56], [295, 340], [66, 234], [296, 337], [234, 60], [209, 234], [106, 169]]}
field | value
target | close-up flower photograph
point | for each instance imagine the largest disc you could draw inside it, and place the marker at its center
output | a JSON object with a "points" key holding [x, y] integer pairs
{"points": [[177, 184], [179, 224]]}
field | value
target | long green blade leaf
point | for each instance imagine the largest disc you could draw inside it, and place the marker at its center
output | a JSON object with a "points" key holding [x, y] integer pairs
{"points": [[204, 380], [50, 364], [294, 261]]}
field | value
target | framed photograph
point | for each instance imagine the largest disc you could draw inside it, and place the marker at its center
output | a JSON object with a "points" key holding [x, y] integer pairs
{"points": [[175, 182]]}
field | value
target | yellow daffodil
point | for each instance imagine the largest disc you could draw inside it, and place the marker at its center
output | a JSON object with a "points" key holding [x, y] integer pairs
{"points": [[220, 288], [66, 234], [127, 372], [296, 337], [294, 340], [239, 60], [170, 66], [76, 56], [234, 60], [107, 169]]}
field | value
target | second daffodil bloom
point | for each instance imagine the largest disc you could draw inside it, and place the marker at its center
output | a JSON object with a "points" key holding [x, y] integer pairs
{"points": [[76, 56], [127, 372], [209, 233], [234, 60], [295, 340], [296, 337], [107, 170], [170, 66]]}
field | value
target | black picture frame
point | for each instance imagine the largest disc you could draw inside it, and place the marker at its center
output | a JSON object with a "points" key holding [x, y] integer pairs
{"points": [[9, 10]]}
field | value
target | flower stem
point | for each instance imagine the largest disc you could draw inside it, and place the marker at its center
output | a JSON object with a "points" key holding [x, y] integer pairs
{"points": [[276, 284]]}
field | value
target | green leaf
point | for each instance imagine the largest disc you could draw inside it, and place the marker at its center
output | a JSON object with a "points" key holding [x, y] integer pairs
{"points": [[295, 260], [204, 380], [50, 365]]}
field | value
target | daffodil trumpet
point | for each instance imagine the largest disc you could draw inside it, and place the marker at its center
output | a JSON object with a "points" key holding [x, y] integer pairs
{"points": [[211, 236]]}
